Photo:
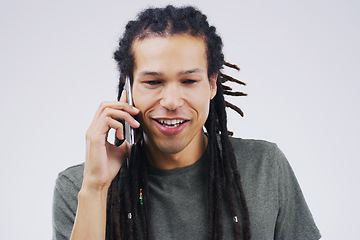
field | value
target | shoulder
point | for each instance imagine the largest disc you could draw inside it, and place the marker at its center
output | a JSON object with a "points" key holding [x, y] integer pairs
{"points": [[272, 191], [71, 176], [259, 160], [67, 187], [253, 151], [248, 146]]}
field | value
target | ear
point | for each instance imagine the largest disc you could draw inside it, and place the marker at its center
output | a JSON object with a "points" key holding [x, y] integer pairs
{"points": [[213, 86]]}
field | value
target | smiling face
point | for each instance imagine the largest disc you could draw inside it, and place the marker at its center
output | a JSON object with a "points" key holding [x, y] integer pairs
{"points": [[172, 90]]}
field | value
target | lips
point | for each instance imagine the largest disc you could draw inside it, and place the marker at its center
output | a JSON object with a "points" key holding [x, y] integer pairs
{"points": [[171, 123], [170, 126]]}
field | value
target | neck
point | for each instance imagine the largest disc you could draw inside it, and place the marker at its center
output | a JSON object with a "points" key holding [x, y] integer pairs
{"points": [[188, 156]]}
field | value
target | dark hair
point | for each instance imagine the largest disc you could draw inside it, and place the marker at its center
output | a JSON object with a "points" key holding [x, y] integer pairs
{"points": [[123, 209]]}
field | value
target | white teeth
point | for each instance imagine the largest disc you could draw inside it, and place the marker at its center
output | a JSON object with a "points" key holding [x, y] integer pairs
{"points": [[171, 122]]}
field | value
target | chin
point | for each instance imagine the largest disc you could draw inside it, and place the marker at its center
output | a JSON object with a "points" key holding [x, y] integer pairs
{"points": [[170, 147]]}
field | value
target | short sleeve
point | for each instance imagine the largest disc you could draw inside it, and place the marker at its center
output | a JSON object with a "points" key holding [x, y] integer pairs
{"points": [[294, 220], [67, 187]]}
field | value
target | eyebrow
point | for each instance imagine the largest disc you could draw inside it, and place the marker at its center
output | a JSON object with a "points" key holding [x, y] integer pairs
{"points": [[148, 73], [159, 74]]}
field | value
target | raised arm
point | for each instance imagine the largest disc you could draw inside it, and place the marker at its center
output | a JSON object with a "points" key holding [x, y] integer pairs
{"points": [[103, 162]]}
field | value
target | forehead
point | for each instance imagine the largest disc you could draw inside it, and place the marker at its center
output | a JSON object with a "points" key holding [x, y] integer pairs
{"points": [[183, 51]]}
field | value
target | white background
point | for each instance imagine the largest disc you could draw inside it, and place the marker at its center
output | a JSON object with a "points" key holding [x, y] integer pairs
{"points": [[299, 58]]}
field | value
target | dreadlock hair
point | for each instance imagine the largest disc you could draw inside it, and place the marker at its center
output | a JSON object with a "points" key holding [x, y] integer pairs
{"points": [[126, 218]]}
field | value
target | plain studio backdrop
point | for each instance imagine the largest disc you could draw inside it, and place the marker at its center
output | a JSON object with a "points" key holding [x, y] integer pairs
{"points": [[300, 60]]}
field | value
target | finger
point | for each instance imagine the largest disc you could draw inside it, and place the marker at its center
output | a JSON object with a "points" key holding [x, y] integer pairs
{"points": [[109, 118], [118, 128], [120, 134], [121, 106], [116, 105], [123, 97], [99, 130], [120, 115], [119, 152]]}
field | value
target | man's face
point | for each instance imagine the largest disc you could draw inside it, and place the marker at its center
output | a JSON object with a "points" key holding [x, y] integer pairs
{"points": [[172, 90]]}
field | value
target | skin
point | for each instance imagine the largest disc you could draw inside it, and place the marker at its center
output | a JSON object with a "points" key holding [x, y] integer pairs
{"points": [[170, 82]]}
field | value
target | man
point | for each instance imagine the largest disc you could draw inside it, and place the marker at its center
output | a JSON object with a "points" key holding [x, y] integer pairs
{"points": [[180, 182]]}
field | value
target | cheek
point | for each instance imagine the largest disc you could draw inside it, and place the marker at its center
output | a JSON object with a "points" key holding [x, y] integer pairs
{"points": [[140, 97], [145, 101], [206, 110], [141, 105], [201, 100], [201, 105]]}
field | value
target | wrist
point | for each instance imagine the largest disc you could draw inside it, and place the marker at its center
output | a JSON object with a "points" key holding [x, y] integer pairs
{"points": [[92, 190]]}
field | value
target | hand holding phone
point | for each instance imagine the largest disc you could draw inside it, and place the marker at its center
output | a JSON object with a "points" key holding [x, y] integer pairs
{"points": [[104, 159]]}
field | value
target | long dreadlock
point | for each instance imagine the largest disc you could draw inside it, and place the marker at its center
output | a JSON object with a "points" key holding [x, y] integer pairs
{"points": [[126, 218]]}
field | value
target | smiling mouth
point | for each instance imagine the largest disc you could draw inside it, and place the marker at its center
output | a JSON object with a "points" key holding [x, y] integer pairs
{"points": [[171, 123]]}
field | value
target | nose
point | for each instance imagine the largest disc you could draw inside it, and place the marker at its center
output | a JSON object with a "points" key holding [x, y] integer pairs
{"points": [[171, 97]]}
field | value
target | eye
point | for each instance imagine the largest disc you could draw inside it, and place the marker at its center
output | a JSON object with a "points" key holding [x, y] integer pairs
{"points": [[189, 81], [152, 82]]}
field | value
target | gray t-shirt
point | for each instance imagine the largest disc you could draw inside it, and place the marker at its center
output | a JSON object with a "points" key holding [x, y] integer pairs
{"points": [[179, 198]]}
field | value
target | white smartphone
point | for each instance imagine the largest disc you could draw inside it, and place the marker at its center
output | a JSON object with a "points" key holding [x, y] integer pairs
{"points": [[129, 131]]}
